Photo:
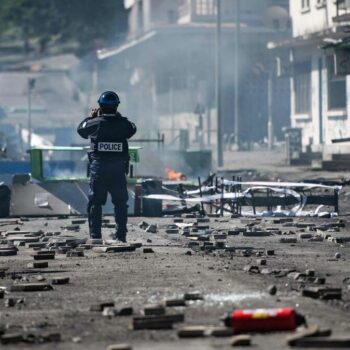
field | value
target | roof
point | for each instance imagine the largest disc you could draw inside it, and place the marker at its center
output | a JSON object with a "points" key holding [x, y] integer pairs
{"points": [[55, 99]]}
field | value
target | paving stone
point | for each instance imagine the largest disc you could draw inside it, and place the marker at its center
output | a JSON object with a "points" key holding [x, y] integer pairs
{"points": [[241, 340], [307, 332], [23, 239], [324, 293], [119, 347], [310, 272], [46, 256], [322, 342], [220, 236], [60, 280], [221, 331], [11, 338], [71, 227], [270, 252], [30, 287], [201, 220], [98, 307], [193, 296], [178, 220], [74, 254], [153, 310], [148, 250], [8, 252], [192, 332], [174, 302], [157, 322], [125, 311], [114, 248], [290, 240], [94, 241], [172, 231], [78, 221], [256, 233], [10, 302], [272, 290], [305, 235], [261, 262], [234, 232], [36, 245]]}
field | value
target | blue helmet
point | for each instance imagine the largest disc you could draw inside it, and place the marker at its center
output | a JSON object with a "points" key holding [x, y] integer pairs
{"points": [[109, 99]]}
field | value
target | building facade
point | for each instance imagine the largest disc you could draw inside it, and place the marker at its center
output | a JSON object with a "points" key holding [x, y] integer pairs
{"points": [[166, 68], [320, 91]]}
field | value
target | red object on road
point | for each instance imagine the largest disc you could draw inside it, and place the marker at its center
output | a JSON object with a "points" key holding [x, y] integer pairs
{"points": [[264, 320]]}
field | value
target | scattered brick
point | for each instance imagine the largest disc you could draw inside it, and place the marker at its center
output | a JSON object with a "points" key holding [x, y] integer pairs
{"points": [[272, 290], [193, 296], [38, 265], [221, 332], [322, 342], [174, 302], [8, 252], [289, 240], [46, 256], [74, 254], [148, 250], [98, 307], [152, 229]]}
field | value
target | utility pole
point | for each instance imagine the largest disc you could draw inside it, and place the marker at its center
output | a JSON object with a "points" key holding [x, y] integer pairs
{"points": [[220, 155], [30, 87], [270, 127], [236, 72], [171, 107]]}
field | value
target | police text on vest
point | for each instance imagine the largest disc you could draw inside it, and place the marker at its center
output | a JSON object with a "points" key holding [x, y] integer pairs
{"points": [[110, 147]]}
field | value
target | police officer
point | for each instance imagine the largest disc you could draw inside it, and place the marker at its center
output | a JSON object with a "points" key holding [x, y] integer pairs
{"points": [[108, 131]]}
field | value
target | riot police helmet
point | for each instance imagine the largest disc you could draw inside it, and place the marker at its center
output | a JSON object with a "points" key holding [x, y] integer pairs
{"points": [[109, 99]]}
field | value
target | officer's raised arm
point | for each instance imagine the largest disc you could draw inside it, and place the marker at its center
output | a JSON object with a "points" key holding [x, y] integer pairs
{"points": [[87, 127]]}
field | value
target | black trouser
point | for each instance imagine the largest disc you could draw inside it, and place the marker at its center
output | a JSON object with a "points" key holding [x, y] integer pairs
{"points": [[108, 176]]}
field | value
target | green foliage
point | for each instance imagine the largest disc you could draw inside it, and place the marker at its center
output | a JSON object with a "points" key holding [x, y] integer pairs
{"points": [[83, 21]]}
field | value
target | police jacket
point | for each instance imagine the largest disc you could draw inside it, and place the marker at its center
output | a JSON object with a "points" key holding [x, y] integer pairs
{"points": [[109, 134]]}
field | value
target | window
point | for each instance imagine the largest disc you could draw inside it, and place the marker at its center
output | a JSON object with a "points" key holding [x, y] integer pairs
{"points": [[302, 87], [205, 7], [320, 3], [305, 5], [336, 87]]}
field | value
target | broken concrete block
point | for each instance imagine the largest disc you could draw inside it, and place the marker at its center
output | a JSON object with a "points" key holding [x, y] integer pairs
{"points": [[322, 293], [178, 220], [241, 340], [143, 225], [157, 322], [30, 287], [192, 332], [38, 265], [152, 229], [153, 310], [98, 307], [337, 255], [71, 227], [251, 269], [119, 347], [193, 296], [10, 302], [78, 221], [269, 252], [201, 220], [60, 280], [307, 332], [2, 294]]}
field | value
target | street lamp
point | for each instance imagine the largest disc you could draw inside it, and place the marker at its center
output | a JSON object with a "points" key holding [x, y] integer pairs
{"points": [[31, 84]]}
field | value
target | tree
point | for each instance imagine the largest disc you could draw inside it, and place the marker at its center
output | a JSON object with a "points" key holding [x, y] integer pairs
{"points": [[84, 22]]}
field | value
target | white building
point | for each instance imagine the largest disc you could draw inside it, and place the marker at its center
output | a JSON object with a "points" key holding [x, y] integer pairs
{"points": [[320, 92]]}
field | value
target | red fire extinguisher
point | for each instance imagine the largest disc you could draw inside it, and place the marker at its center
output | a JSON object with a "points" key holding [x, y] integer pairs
{"points": [[264, 320]]}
